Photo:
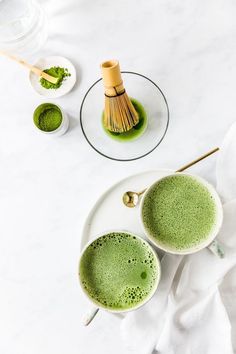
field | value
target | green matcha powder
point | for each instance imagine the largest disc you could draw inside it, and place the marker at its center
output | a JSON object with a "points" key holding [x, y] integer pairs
{"points": [[55, 71], [47, 117]]}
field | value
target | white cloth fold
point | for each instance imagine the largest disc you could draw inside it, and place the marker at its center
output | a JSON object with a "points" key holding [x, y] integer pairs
{"points": [[192, 310]]}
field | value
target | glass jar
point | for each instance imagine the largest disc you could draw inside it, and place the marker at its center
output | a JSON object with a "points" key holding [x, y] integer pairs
{"points": [[22, 26]]}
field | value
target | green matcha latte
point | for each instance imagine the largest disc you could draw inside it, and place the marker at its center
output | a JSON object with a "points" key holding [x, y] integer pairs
{"points": [[179, 213], [119, 271]]}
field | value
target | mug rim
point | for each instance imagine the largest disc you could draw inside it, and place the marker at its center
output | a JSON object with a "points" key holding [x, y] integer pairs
{"points": [[158, 277], [214, 232]]}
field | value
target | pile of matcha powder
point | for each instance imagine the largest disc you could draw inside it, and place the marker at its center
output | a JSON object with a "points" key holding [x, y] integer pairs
{"points": [[55, 71]]}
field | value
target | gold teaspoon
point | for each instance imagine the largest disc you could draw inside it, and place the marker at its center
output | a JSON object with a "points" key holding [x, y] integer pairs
{"points": [[131, 199]]}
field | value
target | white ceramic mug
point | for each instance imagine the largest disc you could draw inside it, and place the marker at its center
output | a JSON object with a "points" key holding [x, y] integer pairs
{"points": [[63, 127], [96, 306], [210, 241]]}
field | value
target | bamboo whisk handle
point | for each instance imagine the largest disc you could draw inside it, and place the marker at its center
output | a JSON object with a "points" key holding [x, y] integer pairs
{"points": [[112, 78]]}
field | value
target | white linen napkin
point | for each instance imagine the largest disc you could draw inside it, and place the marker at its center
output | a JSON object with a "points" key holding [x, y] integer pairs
{"points": [[192, 310]]}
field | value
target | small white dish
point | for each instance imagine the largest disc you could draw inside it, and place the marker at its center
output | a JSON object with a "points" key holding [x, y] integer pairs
{"points": [[47, 63]]}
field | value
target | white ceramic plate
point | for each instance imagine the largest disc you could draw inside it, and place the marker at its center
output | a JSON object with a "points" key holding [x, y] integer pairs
{"points": [[109, 212], [46, 63]]}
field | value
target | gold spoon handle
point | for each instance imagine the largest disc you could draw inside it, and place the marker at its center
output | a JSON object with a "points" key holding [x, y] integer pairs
{"points": [[190, 164], [197, 160], [140, 193]]}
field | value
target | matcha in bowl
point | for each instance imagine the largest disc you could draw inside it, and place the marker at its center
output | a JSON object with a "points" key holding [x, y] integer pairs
{"points": [[181, 214], [50, 119], [119, 271], [137, 131]]}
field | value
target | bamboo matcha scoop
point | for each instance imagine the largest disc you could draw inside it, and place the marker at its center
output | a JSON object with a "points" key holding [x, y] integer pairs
{"points": [[119, 113], [32, 68]]}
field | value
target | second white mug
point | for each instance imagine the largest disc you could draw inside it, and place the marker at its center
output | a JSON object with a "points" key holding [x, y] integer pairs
{"points": [[210, 241]]}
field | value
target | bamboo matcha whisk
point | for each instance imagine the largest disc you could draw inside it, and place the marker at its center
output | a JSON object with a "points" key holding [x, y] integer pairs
{"points": [[119, 113]]}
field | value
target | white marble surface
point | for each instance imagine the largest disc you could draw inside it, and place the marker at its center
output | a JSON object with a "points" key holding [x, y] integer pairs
{"points": [[47, 186]]}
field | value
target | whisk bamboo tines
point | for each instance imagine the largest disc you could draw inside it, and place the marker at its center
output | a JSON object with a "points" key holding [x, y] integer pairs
{"points": [[119, 113]]}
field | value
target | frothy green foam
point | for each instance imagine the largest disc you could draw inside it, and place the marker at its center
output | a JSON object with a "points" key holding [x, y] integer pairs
{"points": [[179, 212], [118, 271]]}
